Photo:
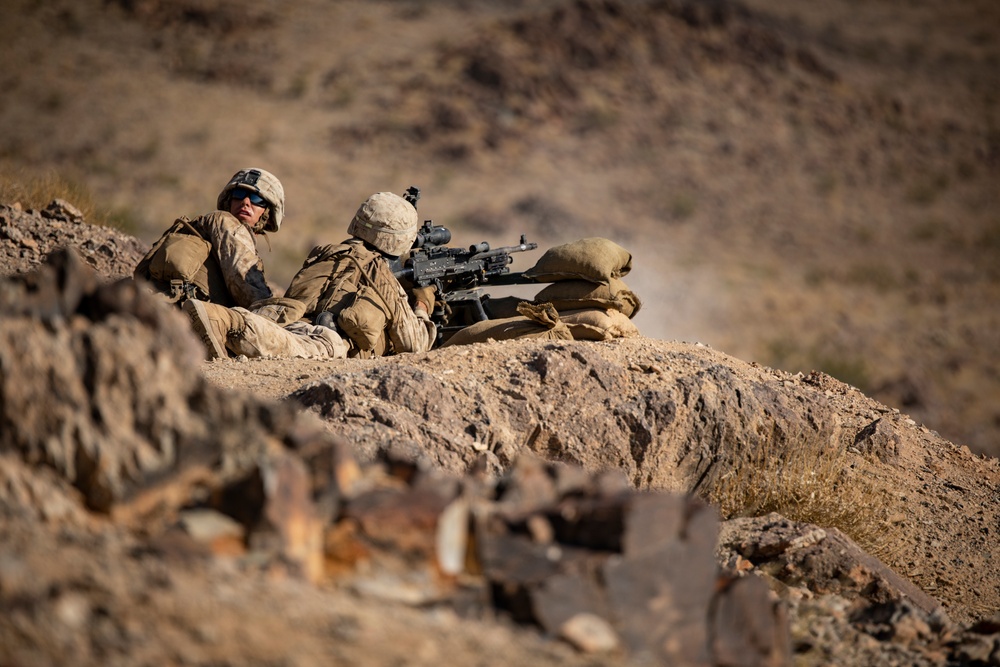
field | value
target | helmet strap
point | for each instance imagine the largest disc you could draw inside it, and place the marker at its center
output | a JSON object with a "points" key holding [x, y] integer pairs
{"points": [[262, 222]]}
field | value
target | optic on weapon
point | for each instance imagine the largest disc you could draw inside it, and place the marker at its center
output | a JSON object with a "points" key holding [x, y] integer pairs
{"points": [[457, 274], [431, 234]]}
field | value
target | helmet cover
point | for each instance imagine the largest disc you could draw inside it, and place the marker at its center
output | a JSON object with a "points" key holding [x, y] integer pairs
{"points": [[267, 186], [387, 221]]}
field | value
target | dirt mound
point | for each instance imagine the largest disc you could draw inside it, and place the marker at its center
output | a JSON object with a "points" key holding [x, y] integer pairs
{"points": [[28, 237], [808, 187], [674, 417], [113, 439], [214, 505], [120, 446]]}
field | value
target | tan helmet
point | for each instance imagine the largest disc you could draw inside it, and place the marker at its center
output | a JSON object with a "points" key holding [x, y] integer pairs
{"points": [[387, 221], [267, 186]]}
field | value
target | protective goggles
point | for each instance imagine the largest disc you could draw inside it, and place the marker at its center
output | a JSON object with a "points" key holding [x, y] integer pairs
{"points": [[239, 194]]}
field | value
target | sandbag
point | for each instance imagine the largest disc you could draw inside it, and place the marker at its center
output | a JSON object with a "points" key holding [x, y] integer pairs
{"points": [[536, 321], [577, 294], [595, 259], [500, 308], [598, 324]]}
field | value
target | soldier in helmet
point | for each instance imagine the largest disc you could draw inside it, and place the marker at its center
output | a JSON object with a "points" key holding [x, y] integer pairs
{"points": [[214, 257], [344, 301]]}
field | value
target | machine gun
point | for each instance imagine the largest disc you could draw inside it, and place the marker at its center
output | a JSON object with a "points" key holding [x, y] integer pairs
{"points": [[458, 273]]}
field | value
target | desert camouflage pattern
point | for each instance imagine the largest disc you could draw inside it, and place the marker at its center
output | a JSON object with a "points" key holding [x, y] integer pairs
{"points": [[332, 275], [407, 330], [260, 337], [387, 221], [267, 186], [235, 251]]}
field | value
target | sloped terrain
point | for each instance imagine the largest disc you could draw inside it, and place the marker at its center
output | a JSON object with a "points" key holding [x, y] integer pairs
{"points": [[498, 503], [669, 416], [809, 191], [811, 188]]}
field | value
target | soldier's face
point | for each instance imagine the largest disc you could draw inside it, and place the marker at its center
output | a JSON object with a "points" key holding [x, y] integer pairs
{"points": [[244, 208]]}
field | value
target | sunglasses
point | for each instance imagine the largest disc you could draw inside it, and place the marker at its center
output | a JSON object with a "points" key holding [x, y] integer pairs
{"points": [[239, 194]]}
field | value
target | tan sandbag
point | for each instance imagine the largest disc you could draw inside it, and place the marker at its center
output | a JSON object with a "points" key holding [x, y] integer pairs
{"points": [[500, 308], [595, 259], [577, 294], [598, 324], [539, 322], [364, 320]]}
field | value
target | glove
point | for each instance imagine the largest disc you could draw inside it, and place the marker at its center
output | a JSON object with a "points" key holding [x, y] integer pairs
{"points": [[325, 319], [423, 297]]}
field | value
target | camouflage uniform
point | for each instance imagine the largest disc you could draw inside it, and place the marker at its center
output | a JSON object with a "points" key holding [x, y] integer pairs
{"points": [[234, 249], [408, 330], [405, 329], [345, 301], [214, 257], [261, 337]]}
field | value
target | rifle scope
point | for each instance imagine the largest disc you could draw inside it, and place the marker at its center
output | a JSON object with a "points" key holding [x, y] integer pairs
{"points": [[432, 235]]}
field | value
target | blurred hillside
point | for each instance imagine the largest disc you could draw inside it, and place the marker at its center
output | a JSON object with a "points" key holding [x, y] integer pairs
{"points": [[804, 187]]}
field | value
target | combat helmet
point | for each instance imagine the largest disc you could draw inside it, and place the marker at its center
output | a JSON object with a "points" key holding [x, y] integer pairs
{"points": [[267, 186], [387, 221]]}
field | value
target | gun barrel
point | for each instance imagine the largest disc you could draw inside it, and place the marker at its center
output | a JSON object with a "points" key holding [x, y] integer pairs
{"points": [[507, 250], [510, 279]]}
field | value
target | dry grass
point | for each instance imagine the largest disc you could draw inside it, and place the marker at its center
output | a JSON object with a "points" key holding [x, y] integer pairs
{"points": [[813, 483], [36, 189]]}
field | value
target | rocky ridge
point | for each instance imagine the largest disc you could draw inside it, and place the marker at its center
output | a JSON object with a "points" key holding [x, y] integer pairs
{"points": [[361, 506]]}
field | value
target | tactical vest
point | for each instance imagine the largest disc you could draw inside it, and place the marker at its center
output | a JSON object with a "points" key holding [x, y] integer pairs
{"points": [[340, 285], [180, 266]]}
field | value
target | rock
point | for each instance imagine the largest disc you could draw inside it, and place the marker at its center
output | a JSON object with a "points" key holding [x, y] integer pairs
{"points": [[222, 533], [662, 608], [452, 542], [28, 238], [589, 633], [60, 209], [879, 439], [825, 560], [289, 510], [749, 627], [112, 439]]}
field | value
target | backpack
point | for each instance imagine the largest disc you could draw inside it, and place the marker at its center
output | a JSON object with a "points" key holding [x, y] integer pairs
{"points": [[338, 285], [180, 266]]}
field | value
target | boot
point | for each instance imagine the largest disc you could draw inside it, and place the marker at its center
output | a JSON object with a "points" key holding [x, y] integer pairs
{"points": [[214, 324]]}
